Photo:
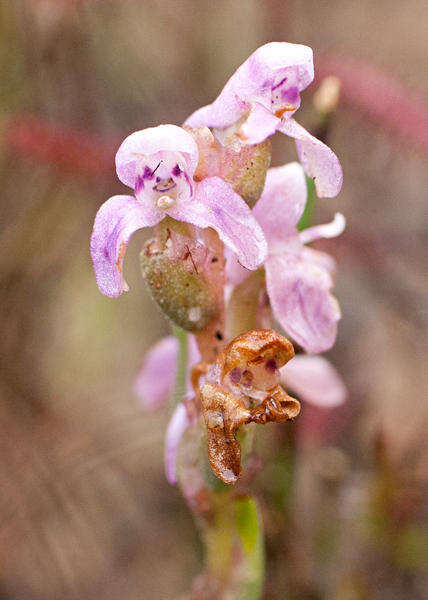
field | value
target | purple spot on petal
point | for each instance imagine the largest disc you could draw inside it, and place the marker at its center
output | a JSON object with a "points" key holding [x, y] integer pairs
{"points": [[147, 173], [176, 171], [290, 95], [270, 365], [280, 83], [235, 375], [139, 185]]}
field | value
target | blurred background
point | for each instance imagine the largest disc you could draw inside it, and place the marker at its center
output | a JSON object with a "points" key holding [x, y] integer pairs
{"points": [[85, 510]]}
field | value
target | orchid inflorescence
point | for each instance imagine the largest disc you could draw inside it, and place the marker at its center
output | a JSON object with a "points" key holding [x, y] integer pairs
{"points": [[227, 250]]}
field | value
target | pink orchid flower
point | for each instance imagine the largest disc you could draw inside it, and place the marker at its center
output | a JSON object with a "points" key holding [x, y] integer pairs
{"points": [[298, 278], [159, 163], [261, 97]]}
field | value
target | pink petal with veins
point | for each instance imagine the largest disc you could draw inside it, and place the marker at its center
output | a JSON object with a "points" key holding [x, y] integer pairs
{"points": [[314, 379], [115, 222]]}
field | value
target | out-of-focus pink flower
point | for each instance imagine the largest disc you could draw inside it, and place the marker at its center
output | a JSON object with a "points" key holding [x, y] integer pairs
{"points": [[260, 99], [298, 278], [314, 379], [159, 163], [176, 427], [68, 150], [154, 383]]}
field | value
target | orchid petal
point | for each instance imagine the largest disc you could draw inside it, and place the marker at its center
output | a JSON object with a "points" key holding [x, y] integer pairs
{"points": [[155, 381], [116, 221], [163, 138], [176, 427], [328, 230], [299, 292], [255, 79], [282, 202], [216, 205], [318, 160], [235, 272], [318, 258], [259, 125], [314, 380]]}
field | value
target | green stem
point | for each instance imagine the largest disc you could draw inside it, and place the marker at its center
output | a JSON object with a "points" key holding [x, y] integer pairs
{"points": [[234, 548], [250, 529], [306, 218], [181, 368], [243, 304]]}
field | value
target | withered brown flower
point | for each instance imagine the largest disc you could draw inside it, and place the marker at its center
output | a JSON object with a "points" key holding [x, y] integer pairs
{"points": [[240, 387]]}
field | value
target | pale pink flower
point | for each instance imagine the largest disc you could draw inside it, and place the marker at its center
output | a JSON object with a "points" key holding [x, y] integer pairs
{"points": [[261, 97], [159, 163], [298, 278]]}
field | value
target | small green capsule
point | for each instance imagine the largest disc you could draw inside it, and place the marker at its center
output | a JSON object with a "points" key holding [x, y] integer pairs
{"points": [[183, 294]]}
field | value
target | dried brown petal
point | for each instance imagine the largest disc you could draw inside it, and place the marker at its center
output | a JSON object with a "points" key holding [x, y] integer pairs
{"points": [[221, 407], [277, 408], [254, 347], [223, 414], [224, 453], [251, 362]]}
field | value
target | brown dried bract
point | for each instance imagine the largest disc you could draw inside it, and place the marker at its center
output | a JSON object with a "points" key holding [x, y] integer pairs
{"points": [[277, 408]]}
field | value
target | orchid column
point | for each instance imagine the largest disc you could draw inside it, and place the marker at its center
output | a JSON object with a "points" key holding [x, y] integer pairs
{"points": [[225, 264]]}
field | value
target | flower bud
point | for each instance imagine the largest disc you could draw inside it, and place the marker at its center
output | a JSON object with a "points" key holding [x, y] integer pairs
{"points": [[241, 165], [248, 168], [326, 98], [177, 275]]}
